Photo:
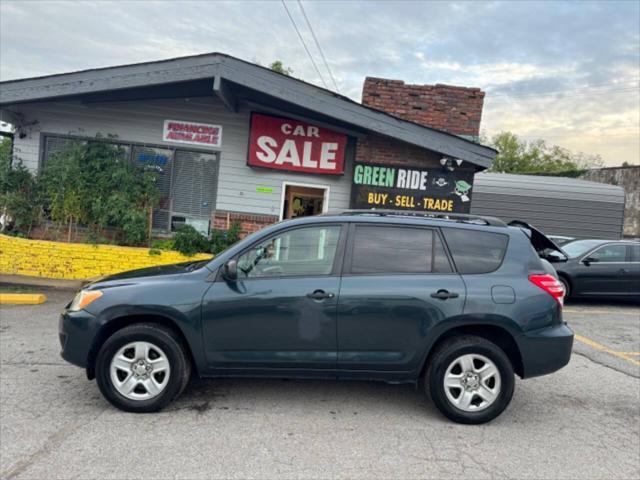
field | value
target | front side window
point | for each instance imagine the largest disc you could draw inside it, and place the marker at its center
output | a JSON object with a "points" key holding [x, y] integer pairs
{"points": [[307, 251], [397, 250], [610, 253]]}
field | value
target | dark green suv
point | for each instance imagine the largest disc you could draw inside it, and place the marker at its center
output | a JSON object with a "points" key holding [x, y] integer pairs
{"points": [[461, 302]]}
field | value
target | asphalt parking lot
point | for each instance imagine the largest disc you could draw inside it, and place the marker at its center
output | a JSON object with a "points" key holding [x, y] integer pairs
{"points": [[582, 422]]}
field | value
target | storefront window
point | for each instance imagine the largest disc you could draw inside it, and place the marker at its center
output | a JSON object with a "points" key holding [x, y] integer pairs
{"points": [[187, 180]]}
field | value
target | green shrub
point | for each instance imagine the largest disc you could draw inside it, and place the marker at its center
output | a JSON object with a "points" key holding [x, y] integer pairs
{"points": [[94, 184], [162, 244], [189, 241], [223, 239]]}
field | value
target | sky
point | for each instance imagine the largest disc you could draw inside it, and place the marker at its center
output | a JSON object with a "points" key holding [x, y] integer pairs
{"points": [[565, 72]]}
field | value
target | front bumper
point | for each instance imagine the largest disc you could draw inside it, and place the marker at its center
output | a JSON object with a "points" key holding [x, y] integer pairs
{"points": [[546, 350], [77, 331]]}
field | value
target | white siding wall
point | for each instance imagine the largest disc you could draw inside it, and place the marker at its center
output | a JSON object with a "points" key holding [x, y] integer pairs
{"points": [[142, 121]]}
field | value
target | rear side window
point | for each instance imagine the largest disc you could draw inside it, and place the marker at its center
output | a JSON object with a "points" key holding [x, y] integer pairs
{"points": [[390, 250], [635, 253], [474, 251]]}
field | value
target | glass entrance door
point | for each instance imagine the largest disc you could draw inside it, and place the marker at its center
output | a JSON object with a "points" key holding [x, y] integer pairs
{"points": [[303, 200]]}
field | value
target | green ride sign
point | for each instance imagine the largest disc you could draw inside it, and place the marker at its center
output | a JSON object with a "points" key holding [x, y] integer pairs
{"points": [[408, 188]]}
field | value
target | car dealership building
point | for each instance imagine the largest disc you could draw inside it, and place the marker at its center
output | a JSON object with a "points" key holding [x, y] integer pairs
{"points": [[234, 141]]}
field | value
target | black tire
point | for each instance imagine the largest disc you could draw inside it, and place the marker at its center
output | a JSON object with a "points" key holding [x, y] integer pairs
{"points": [[159, 336], [567, 287], [444, 356]]}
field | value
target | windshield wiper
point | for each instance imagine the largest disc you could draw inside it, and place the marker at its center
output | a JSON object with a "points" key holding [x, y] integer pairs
{"points": [[195, 265]]}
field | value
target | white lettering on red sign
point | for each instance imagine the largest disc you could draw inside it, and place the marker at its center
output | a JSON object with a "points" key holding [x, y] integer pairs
{"points": [[286, 144], [192, 133]]}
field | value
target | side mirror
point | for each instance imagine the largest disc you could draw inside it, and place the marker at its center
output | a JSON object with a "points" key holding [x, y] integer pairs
{"points": [[589, 260], [230, 271], [555, 257]]}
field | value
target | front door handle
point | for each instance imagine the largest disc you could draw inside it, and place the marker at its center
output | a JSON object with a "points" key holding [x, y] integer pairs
{"points": [[444, 294], [624, 270], [319, 295]]}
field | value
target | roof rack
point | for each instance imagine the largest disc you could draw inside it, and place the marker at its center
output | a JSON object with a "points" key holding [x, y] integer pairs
{"points": [[455, 217]]}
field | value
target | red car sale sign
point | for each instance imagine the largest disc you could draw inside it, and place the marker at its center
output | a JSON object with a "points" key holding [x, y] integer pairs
{"points": [[286, 144]]}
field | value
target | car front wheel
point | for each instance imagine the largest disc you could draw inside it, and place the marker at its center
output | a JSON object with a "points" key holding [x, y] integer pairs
{"points": [[142, 368], [470, 379]]}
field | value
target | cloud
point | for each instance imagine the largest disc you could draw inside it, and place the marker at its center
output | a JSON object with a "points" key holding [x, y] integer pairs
{"points": [[520, 53]]}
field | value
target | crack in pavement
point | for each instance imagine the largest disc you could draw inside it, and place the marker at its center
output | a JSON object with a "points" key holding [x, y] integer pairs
{"points": [[52, 444], [603, 364]]}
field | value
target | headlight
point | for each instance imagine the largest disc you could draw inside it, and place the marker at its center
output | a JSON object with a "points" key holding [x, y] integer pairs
{"points": [[83, 299]]}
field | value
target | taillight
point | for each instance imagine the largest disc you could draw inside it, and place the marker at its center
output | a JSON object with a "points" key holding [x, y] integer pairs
{"points": [[549, 284]]}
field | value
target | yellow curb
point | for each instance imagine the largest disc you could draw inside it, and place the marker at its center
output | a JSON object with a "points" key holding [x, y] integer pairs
{"points": [[22, 298]]}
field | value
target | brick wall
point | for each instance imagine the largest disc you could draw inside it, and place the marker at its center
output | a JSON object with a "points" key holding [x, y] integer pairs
{"points": [[249, 223], [456, 110], [387, 151]]}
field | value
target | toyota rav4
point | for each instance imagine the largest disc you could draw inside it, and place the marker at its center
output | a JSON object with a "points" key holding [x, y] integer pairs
{"points": [[463, 303]]}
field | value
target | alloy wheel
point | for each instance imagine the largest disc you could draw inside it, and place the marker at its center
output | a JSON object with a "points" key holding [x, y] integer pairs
{"points": [[140, 371], [472, 382]]}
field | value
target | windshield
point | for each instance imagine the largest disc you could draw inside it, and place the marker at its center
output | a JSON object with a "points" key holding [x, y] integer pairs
{"points": [[577, 248]]}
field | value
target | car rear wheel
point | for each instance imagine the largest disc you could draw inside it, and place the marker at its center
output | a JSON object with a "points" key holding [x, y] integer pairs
{"points": [[142, 368], [566, 286], [470, 379]]}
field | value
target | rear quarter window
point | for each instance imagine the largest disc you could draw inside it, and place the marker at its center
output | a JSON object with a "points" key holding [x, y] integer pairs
{"points": [[476, 251]]}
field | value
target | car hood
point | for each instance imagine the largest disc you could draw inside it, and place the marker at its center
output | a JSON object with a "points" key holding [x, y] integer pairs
{"points": [[145, 274]]}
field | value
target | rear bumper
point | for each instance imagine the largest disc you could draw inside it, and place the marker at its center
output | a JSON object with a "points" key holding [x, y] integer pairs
{"points": [[76, 331], [546, 350]]}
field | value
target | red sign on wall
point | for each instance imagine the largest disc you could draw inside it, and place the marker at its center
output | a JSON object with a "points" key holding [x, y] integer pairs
{"points": [[286, 144]]}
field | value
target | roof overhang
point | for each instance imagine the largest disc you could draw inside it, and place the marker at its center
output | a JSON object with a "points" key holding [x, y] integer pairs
{"points": [[228, 75]]}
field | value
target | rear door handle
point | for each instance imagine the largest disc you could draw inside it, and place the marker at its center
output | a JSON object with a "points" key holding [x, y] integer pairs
{"points": [[319, 295], [444, 294], [624, 270]]}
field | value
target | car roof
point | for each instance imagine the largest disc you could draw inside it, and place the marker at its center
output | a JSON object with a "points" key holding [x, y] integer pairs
{"points": [[433, 219], [455, 217], [602, 241]]}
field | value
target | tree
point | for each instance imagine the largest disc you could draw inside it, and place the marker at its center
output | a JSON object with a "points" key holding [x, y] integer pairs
{"points": [[94, 184], [536, 157], [64, 188], [277, 66], [19, 196], [5, 153]]}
